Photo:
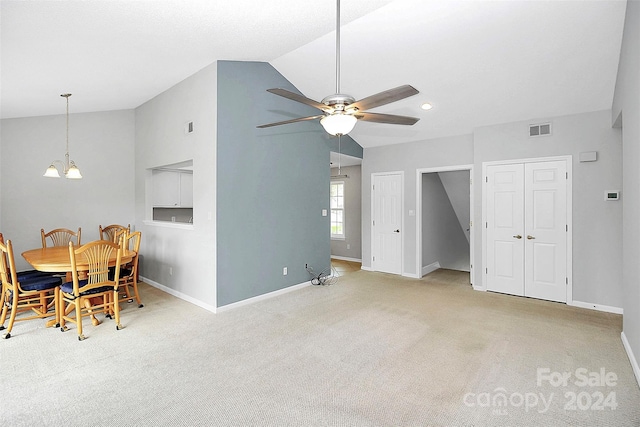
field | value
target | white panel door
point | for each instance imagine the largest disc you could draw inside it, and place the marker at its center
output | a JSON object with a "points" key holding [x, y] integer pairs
{"points": [[526, 229], [546, 231], [505, 225], [387, 223]]}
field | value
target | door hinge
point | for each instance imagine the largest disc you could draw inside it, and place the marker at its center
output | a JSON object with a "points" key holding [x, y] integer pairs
{"points": [[486, 225], [566, 280], [566, 175], [374, 258], [471, 181], [374, 222], [486, 271], [486, 179], [470, 223], [566, 228]]}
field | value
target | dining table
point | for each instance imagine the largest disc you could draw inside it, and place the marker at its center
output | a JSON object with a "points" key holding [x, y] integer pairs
{"points": [[56, 259]]}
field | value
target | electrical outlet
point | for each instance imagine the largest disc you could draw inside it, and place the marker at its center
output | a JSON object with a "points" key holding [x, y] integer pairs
{"points": [[285, 271]]}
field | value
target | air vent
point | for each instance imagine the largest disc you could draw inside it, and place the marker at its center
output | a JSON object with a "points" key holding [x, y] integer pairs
{"points": [[541, 129], [188, 127]]}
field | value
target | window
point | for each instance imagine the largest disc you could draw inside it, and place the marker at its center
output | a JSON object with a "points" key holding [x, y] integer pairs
{"points": [[337, 210]]}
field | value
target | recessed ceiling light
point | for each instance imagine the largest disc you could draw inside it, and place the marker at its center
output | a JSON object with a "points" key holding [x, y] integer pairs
{"points": [[426, 106]]}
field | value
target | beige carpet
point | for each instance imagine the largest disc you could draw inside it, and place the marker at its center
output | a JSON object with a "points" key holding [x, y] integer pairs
{"points": [[371, 350]]}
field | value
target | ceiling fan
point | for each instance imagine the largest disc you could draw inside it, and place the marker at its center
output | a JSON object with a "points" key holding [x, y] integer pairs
{"points": [[340, 112]]}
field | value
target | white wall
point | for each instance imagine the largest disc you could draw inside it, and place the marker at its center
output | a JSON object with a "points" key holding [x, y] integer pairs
{"points": [[597, 224], [101, 144], [409, 157], [188, 252], [626, 112]]}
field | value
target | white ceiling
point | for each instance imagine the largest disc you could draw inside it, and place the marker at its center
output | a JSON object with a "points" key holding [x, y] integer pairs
{"points": [[478, 62]]}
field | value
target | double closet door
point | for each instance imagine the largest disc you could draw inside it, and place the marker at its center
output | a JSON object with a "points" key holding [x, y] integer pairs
{"points": [[526, 229]]}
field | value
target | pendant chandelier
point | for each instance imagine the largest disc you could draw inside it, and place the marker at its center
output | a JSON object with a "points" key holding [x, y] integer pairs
{"points": [[69, 168]]}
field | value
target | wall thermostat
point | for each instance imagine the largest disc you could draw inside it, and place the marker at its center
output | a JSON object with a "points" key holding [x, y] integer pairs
{"points": [[612, 195]]}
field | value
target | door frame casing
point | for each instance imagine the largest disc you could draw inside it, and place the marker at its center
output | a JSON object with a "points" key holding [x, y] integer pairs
{"points": [[568, 159], [373, 202], [419, 173]]}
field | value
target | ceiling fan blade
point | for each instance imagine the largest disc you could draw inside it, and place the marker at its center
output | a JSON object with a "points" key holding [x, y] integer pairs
{"points": [[300, 119], [299, 98], [391, 119], [385, 97]]}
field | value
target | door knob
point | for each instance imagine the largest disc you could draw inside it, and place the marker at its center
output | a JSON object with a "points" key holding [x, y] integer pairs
{"points": [[517, 236], [396, 231], [529, 237]]}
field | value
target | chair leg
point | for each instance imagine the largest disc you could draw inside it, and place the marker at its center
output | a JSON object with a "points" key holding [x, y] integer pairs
{"points": [[117, 309], [87, 305], [12, 317], [5, 308], [79, 318], [135, 290]]}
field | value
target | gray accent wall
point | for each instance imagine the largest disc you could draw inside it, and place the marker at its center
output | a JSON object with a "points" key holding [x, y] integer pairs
{"points": [[626, 114], [273, 184]]}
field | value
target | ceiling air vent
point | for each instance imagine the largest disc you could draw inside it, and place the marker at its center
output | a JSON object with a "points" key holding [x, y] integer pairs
{"points": [[540, 129]]}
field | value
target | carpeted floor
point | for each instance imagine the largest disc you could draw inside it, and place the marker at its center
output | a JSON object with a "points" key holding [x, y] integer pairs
{"points": [[370, 350]]}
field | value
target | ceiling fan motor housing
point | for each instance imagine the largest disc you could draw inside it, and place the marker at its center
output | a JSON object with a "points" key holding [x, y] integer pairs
{"points": [[338, 102]]}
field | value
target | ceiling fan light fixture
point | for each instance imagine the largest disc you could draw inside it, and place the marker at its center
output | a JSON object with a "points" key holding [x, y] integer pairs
{"points": [[338, 124], [426, 106]]}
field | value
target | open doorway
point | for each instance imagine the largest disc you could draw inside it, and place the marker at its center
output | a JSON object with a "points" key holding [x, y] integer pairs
{"points": [[444, 212], [346, 208]]}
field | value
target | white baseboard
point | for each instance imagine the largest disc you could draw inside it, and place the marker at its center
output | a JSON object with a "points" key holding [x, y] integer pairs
{"points": [[263, 297], [344, 258], [631, 356], [178, 294], [429, 268], [365, 268], [599, 307]]}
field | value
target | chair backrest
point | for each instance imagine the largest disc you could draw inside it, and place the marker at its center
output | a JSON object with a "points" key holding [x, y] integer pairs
{"points": [[112, 232], [132, 243], [7, 266], [60, 237], [97, 255]]}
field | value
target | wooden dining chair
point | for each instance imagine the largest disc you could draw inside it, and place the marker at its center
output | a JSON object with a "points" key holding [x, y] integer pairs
{"points": [[98, 283], [129, 272], [60, 237], [32, 293], [113, 231]]}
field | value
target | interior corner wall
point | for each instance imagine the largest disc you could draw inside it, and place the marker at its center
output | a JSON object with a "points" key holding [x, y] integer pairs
{"points": [[351, 246], [180, 259], [443, 240], [626, 102], [597, 224], [408, 157], [273, 184], [100, 143]]}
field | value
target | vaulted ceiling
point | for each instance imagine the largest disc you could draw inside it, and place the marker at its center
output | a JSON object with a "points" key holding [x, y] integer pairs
{"points": [[477, 62]]}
